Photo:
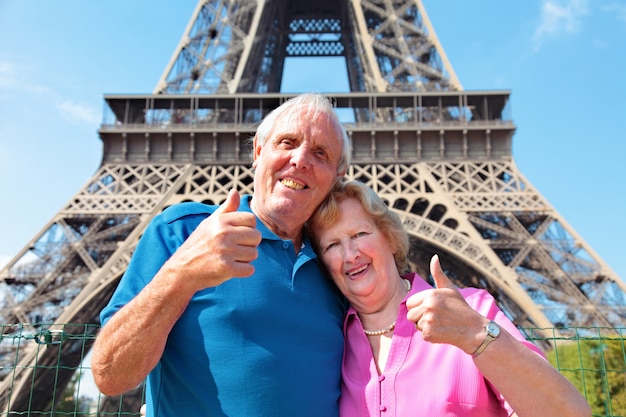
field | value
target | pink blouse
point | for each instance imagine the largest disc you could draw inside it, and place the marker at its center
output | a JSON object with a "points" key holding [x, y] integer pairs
{"points": [[420, 379]]}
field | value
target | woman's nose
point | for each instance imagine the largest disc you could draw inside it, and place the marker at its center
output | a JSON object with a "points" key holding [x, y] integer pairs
{"points": [[351, 251]]}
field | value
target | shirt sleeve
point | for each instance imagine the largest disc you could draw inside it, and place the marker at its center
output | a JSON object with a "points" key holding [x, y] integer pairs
{"points": [[163, 236]]}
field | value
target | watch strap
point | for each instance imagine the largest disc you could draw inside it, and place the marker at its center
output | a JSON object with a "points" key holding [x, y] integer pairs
{"points": [[489, 337]]}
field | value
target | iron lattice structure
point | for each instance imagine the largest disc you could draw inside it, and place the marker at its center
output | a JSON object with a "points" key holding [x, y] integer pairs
{"points": [[440, 156]]}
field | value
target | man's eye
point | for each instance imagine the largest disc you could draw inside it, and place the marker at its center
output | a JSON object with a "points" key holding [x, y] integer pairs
{"points": [[321, 154], [287, 142]]}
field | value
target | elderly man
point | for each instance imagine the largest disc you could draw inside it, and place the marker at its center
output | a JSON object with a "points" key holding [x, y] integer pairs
{"points": [[225, 309]]}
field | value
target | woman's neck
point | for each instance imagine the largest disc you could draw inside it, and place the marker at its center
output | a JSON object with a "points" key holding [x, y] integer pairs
{"points": [[381, 338], [382, 321]]}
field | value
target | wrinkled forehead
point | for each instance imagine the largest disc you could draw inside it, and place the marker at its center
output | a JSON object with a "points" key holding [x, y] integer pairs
{"points": [[302, 114], [329, 213]]}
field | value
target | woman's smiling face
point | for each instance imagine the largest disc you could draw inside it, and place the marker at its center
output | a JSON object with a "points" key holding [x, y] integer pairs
{"points": [[358, 257]]}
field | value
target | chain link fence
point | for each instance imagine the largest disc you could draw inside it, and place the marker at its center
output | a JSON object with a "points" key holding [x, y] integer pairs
{"points": [[45, 370]]}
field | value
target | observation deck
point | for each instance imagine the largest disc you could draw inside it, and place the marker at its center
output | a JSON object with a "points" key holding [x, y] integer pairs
{"points": [[383, 127]]}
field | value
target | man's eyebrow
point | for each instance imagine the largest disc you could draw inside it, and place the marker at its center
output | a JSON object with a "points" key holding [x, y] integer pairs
{"points": [[287, 133]]}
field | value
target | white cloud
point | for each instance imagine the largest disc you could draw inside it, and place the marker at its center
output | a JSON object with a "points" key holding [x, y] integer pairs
{"points": [[79, 113], [15, 81], [600, 44], [6, 75], [617, 9], [13, 77], [560, 17]]}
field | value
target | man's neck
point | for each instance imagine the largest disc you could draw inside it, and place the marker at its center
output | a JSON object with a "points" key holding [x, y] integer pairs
{"points": [[283, 230]]}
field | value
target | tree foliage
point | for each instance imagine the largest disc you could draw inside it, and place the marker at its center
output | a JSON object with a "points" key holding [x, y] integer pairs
{"points": [[597, 368], [69, 404]]}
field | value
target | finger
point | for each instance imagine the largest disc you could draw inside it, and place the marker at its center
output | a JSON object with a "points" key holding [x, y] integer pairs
{"points": [[248, 235], [237, 218], [440, 278], [231, 204], [246, 254], [414, 315]]}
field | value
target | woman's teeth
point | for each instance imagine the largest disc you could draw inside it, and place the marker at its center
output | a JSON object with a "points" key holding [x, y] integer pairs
{"points": [[358, 271]]}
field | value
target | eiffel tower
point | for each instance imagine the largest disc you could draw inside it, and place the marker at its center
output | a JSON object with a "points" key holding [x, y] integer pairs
{"points": [[439, 155]]}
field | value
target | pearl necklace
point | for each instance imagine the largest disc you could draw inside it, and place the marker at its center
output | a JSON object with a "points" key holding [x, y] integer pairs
{"points": [[392, 325]]}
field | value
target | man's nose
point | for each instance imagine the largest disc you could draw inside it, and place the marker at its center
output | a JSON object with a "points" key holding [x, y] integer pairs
{"points": [[301, 157]]}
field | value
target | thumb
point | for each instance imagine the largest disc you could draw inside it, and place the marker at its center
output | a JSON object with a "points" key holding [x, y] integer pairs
{"points": [[231, 203], [441, 280]]}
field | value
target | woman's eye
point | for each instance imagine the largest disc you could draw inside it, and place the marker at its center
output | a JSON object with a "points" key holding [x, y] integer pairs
{"points": [[360, 234], [329, 246]]}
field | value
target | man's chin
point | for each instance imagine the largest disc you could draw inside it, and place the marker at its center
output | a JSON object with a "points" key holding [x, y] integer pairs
{"points": [[295, 204]]}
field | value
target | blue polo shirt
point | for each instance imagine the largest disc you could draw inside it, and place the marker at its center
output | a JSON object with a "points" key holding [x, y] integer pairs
{"points": [[268, 345]]}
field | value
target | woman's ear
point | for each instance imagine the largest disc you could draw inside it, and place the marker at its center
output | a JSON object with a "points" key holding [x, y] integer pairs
{"points": [[392, 245]]}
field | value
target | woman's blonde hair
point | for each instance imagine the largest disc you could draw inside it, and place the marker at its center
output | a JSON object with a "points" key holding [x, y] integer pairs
{"points": [[386, 221]]}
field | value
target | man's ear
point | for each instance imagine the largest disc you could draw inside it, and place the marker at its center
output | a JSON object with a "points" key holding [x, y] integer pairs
{"points": [[337, 181], [256, 146]]}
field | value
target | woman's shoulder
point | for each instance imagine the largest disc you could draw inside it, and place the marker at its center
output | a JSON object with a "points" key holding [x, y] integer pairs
{"points": [[475, 295]]}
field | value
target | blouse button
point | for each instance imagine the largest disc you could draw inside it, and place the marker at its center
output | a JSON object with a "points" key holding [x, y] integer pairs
{"points": [[381, 378], [382, 408]]}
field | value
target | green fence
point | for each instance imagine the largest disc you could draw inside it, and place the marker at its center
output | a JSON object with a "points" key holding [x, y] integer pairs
{"points": [[45, 370]]}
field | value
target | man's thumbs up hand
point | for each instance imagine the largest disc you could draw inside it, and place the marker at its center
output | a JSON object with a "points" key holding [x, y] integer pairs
{"points": [[222, 247], [231, 203]]}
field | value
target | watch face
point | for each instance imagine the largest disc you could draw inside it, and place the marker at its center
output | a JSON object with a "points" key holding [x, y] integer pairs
{"points": [[493, 330]]}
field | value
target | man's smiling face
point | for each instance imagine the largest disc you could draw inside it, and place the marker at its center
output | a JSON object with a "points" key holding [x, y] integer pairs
{"points": [[295, 168]]}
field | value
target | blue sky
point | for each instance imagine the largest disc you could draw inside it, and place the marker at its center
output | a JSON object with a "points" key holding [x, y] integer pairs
{"points": [[562, 60]]}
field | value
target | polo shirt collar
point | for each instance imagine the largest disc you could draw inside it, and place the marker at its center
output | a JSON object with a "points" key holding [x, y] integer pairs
{"points": [[305, 250]]}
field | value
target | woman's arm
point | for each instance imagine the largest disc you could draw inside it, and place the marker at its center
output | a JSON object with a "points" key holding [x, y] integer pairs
{"points": [[530, 384]]}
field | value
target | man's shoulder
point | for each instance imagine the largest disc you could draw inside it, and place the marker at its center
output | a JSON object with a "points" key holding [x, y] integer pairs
{"points": [[186, 210]]}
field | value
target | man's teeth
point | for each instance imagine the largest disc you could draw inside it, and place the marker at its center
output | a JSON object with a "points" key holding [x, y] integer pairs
{"points": [[358, 271], [292, 184]]}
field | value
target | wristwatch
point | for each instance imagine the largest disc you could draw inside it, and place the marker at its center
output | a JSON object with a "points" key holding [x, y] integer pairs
{"points": [[492, 331]]}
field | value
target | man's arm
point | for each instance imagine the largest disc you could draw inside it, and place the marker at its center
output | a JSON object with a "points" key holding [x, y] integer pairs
{"points": [[130, 345], [132, 342]]}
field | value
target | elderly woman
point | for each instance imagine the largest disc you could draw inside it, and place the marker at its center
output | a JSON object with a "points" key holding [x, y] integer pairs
{"points": [[415, 350]]}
